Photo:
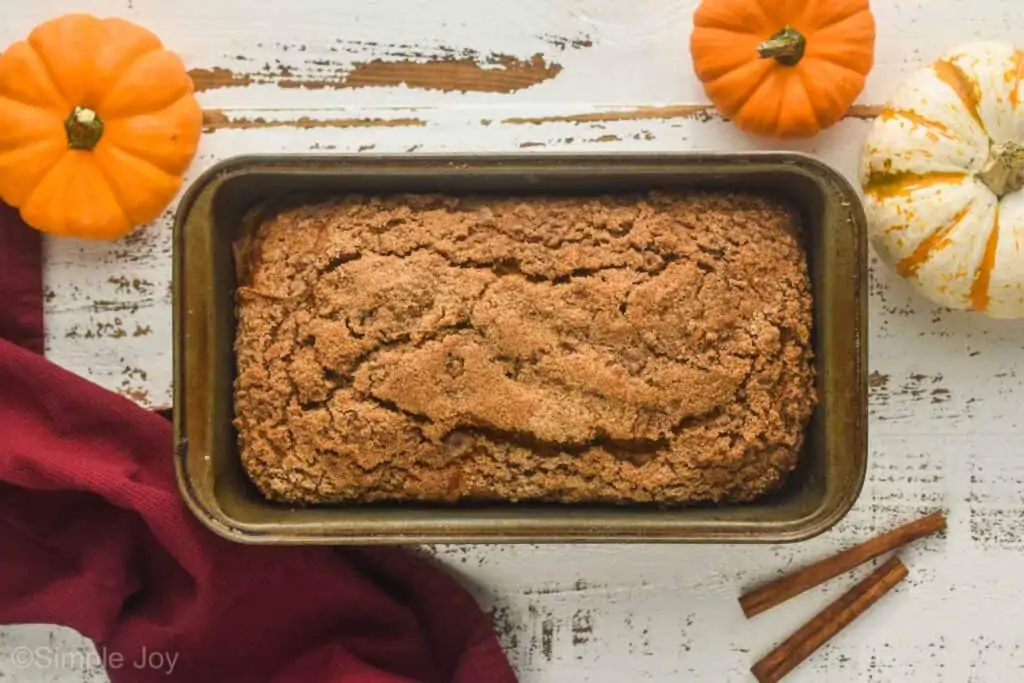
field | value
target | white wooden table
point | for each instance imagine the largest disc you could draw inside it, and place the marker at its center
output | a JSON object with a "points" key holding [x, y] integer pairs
{"points": [[578, 75]]}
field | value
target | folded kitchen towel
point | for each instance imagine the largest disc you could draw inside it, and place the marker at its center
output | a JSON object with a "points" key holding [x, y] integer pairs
{"points": [[94, 536], [21, 282]]}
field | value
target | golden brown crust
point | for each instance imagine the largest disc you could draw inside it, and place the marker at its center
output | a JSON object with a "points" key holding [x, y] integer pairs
{"points": [[614, 349]]}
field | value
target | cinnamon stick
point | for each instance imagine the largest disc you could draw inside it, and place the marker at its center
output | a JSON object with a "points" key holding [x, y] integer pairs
{"points": [[791, 585], [826, 624]]}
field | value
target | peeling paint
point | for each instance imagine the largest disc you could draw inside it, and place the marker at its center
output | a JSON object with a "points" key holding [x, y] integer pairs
{"points": [[916, 387], [218, 77], [214, 120], [569, 141], [140, 396], [135, 373], [495, 73], [127, 285], [505, 626], [578, 586], [562, 43], [547, 638], [582, 627], [459, 75], [864, 111], [699, 112], [100, 330], [130, 307]]}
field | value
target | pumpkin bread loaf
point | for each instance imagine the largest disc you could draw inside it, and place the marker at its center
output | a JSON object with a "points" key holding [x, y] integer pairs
{"points": [[599, 349]]}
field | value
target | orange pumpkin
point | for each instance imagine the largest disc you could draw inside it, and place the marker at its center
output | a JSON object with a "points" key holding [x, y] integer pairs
{"points": [[783, 68], [98, 124]]}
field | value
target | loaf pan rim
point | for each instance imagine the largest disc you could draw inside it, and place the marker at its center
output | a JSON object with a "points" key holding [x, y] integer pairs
{"points": [[803, 528]]}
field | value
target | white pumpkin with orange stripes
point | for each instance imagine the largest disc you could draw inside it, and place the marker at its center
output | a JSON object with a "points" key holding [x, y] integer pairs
{"points": [[942, 172]]}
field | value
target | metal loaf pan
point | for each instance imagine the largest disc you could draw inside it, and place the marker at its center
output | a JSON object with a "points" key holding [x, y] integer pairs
{"points": [[214, 211]]}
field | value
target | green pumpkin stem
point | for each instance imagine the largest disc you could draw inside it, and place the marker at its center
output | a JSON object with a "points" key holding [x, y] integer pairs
{"points": [[786, 47], [84, 128]]}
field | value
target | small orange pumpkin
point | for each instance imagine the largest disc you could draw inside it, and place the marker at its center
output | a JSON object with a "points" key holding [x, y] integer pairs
{"points": [[98, 124], [783, 68]]}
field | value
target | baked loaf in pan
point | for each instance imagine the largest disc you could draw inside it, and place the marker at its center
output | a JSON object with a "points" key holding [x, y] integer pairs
{"points": [[622, 349]]}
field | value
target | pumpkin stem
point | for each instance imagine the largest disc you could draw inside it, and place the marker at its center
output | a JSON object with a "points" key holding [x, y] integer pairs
{"points": [[787, 47], [1004, 171], [84, 128]]}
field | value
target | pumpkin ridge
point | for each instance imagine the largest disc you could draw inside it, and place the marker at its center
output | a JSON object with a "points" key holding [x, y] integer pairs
{"points": [[980, 289], [703, 21], [46, 73], [113, 188], [780, 84], [104, 104], [144, 135], [1018, 62], [803, 75], [932, 243], [840, 88], [155, 112], [913, 117], [961, 84], [73, 164], [838, 44], [750, 89], [124, 72], [138, 157], [41, 181], [751, 100], [736, 60], [41, 112], [836, 61], [765, 14], [48, 70], [889, 185], [126, 100], [30, 150], [839, 18], [738, 33]]}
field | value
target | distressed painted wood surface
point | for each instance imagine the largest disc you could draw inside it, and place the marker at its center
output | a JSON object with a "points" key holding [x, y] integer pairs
{"points": [[580, 75]]}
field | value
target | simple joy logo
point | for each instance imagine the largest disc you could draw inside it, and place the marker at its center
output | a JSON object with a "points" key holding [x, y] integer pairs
{"points": [[46, 658]]}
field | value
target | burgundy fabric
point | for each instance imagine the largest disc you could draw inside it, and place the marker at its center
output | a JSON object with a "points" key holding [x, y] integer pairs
{"points": [[93, 535], [21, 282]]}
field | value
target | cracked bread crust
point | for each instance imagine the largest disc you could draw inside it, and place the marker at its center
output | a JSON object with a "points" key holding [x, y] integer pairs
{"points": [[618, 349]]}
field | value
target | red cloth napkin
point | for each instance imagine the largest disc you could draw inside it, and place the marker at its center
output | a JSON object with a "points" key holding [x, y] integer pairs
{"points": [[94, 536]]}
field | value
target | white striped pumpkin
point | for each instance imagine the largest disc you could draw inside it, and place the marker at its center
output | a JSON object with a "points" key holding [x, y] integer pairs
{"points": [[942, 171]]}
